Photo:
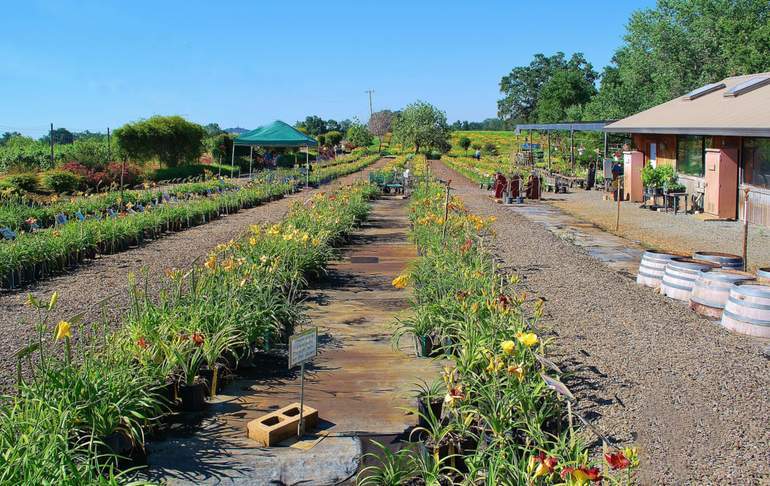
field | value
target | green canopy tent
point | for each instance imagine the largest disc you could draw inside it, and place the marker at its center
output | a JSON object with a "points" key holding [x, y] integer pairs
{"points": [[276, 134]]}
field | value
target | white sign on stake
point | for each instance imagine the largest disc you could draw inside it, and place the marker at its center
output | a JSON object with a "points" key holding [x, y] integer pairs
{"points": [[303, 347]]}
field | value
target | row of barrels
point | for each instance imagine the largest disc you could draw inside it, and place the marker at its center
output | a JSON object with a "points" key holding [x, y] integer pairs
{"points": [[714, 286]]}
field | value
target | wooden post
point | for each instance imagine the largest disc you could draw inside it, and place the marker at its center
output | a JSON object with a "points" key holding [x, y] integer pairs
{"points": [[746, 229], [549, 150], [572, 149], [617, 217]]}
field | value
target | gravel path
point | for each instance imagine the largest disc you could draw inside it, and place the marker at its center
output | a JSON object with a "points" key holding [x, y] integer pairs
{"points": [[646, 370], [84, 288], [683, 233]]}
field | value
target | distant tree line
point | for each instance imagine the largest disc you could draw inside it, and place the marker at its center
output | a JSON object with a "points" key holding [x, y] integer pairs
{"points": [[668, 50]]}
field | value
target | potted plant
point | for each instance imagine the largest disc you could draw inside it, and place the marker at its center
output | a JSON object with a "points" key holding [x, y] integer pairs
{"points": [[213, 348], [430, 401], [421, 328], [189, 357]]}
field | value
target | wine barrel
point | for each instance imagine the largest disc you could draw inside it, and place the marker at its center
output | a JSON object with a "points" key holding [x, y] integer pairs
{"points": [[652, 267], [679, 277], [748, 309], [712, 289], [724, 260], [763, 275]]}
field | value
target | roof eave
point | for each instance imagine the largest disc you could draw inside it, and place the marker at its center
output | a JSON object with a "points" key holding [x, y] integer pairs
{"points": [[727, 132]]}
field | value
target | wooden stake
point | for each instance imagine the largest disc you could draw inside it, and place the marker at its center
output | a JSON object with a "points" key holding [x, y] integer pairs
{"points": [[617, 217], [746, 229]]}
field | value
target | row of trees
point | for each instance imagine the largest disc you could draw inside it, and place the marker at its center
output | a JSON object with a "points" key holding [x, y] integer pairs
{"points": [[668, 50]]}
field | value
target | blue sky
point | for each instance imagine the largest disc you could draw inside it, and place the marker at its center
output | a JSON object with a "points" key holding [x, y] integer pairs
{"points": [[93, 64]]}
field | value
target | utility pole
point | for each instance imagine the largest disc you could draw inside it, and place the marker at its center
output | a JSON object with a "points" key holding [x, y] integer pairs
{"points": [[109, 155], [50, 136], [370, 91]]}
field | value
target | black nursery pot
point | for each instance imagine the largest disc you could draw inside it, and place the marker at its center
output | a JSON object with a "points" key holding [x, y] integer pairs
{"points": [[436, 406], [423, 346], [128, 453], [207, 374], [193, 397]]}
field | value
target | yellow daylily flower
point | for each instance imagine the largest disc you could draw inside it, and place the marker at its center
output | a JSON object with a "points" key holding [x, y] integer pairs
{"points": [[252, 241], [516, 370], [401, 282], [508, 347], [528, 339], [211, 263], [495, 364], [63, 330]]}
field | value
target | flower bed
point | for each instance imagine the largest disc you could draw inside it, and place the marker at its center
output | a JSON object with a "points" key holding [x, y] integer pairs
{"points": [[96, 400], [499, 414]]}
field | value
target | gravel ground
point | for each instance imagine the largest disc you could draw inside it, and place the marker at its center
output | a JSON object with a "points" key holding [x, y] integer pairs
{"points": [[646, 370], [106, 276], [683, 233]]}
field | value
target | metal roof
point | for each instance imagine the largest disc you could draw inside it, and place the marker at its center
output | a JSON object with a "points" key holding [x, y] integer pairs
{"points": [[746, 114], [567, 126]]}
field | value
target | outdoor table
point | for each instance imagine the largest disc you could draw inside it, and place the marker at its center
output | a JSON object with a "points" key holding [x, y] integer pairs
{"points": [[675, 195]]}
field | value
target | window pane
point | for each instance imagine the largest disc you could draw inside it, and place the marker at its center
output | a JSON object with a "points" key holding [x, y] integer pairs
{"points": [[689, 157], [756, 162]]}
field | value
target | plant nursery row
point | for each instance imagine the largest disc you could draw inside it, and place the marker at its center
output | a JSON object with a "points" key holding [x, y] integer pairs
{"points": [[499, 414], [94, 396]]}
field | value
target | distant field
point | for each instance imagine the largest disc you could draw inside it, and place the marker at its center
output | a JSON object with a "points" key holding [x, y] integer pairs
{"points": [[506, 141]]}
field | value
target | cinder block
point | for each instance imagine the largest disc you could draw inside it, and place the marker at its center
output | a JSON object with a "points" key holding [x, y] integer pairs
{"points": [[281, 424]]}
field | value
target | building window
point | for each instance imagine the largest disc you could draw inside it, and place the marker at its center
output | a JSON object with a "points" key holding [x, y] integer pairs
{"points": [[755, 160], [689, 155]]}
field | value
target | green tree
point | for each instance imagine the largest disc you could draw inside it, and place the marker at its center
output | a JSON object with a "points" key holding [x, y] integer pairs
{"points": [[220, 146], [212, 129], [678, 46], [359, 135], [465, 143], [566, 88], [422, 125], [333, 137], [313, 125], [522, 86], [171, 139]]}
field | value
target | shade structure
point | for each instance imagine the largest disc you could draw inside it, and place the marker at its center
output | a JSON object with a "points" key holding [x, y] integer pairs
{"points": [[276, 134]]}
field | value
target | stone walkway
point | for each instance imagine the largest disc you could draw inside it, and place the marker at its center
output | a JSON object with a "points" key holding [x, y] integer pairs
{"points": [[359, 383]]}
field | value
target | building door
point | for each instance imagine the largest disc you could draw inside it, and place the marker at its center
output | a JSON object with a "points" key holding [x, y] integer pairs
{"points": [[721, 182]]}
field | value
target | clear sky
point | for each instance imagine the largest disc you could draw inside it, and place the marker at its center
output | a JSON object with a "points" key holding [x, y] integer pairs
{"points": [[92, 64]]}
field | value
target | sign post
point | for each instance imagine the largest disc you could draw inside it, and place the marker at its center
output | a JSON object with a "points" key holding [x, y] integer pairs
{"points": [[303, 347]]}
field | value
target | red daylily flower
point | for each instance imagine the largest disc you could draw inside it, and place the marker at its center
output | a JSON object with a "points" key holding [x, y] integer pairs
{"points": [[142, 343], [197, 338], [504, 301], [582, 473], [466, 247], [617, 460]]}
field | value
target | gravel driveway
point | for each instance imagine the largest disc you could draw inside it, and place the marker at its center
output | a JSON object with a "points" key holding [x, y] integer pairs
{"points": [[81, 289], [646, 370]]}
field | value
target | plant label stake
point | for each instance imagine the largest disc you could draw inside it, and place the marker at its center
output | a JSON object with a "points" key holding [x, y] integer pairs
{"points": [[303, 347]]}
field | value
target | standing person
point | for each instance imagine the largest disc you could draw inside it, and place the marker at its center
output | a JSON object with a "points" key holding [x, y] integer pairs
{"points": [[406, 180], [591, 178], [477, 155]]}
